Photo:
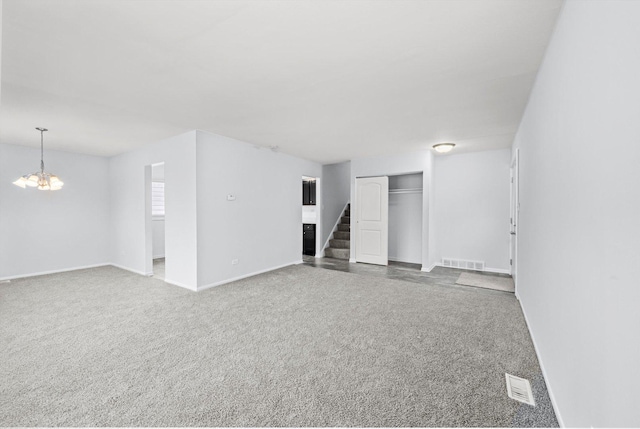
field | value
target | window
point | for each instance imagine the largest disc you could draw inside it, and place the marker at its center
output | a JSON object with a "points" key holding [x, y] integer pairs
{"points": [[157, 199]]}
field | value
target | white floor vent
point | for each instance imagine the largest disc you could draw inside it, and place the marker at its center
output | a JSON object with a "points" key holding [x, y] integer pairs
{"points": [[465, 265], [519, 389]]}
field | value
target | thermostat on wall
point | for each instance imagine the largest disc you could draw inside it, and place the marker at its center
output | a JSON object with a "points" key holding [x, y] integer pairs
{"points": [[231, 197]]}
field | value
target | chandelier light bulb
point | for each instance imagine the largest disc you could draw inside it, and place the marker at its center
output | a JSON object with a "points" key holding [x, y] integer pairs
{"points": [[40, 179]]}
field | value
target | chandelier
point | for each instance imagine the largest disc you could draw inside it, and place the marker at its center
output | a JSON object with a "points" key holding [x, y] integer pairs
{"points": [[40, 179]]}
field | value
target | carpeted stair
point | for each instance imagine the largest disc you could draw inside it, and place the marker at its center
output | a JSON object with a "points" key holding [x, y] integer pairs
{"points": [[340, 244]]}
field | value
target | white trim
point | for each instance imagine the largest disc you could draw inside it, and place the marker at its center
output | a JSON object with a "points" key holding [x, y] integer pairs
{"points": [[64, 270], [122, 267], [244, 276], [497, 270], [159, 256], [428, 269], [514, 209], [335, 227], [352, 260], [394, 259], [488, 270], [544, 373], [182, 285]]}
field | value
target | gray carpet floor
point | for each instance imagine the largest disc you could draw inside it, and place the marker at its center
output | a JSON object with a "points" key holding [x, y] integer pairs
{"points": [[299, 346]]}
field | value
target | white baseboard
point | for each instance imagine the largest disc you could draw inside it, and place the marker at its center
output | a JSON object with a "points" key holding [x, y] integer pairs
{"points": [[352, 260], [172, 282], [244, 276], [544, 373], [488, 270], [182, 285], [497, 270], [158, 256], [429, 268], [84, 267], [122, 267], [64, 270]]}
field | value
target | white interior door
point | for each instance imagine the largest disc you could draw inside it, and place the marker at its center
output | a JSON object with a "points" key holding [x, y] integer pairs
{"points": [[372, 220]]}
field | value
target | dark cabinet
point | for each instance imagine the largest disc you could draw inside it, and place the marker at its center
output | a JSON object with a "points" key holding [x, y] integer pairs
{"points": [[309, 239], [309, 192]]}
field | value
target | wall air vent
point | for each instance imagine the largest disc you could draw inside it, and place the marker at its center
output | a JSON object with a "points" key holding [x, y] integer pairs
{"points": [[519, 389], [462, 264]]}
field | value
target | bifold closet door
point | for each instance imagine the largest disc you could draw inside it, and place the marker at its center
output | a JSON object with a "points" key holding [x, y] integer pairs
{"points": [[372, 220]]}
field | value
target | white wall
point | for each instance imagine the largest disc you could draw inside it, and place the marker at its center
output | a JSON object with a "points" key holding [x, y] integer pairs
{"points": [[415, 162], [336, 191], [471, 192], [44, 231], [157, 175], [0, 49], [579, 235], [130, 208], [405, 219], [262, 228]]}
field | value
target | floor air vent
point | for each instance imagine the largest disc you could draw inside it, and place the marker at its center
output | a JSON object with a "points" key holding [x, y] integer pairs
{"points": [[465, 265], [519, 389]]}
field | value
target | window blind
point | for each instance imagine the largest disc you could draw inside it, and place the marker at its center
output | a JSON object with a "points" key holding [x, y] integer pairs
{"points": [[157, 198]]}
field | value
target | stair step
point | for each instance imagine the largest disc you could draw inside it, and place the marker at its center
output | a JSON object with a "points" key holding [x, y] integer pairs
{"points": [[347, 213], [345, 219], [342, 235], [337, 253], [340, 244], [344, 227]]}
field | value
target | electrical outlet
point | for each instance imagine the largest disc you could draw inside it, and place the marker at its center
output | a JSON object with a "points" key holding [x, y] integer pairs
{"points": [[234, 262]]}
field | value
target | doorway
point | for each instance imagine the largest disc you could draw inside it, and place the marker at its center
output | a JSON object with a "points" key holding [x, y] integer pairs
{"points": [[405, 218], [158, 220], [388, 227], [310, 216]]}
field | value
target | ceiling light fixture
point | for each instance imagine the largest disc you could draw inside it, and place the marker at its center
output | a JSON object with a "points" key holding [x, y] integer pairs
{"points": [[40, 179], [443, 147]]}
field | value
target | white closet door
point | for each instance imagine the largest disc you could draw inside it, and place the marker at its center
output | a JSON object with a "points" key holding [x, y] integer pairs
{"points": [[372, 220]]}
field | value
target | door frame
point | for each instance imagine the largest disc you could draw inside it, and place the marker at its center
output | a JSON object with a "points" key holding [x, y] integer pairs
{"points": [[319, 210], [514, 209]]}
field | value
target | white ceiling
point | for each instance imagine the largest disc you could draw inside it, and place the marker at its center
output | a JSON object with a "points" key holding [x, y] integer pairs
{"points": [[323, 80]]}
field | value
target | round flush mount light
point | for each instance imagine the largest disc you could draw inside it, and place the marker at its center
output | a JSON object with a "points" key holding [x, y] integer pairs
{"points": [[443, 147]]}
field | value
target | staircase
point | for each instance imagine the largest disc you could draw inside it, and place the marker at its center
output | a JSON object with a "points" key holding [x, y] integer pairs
{"points": [[340, 244]]}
